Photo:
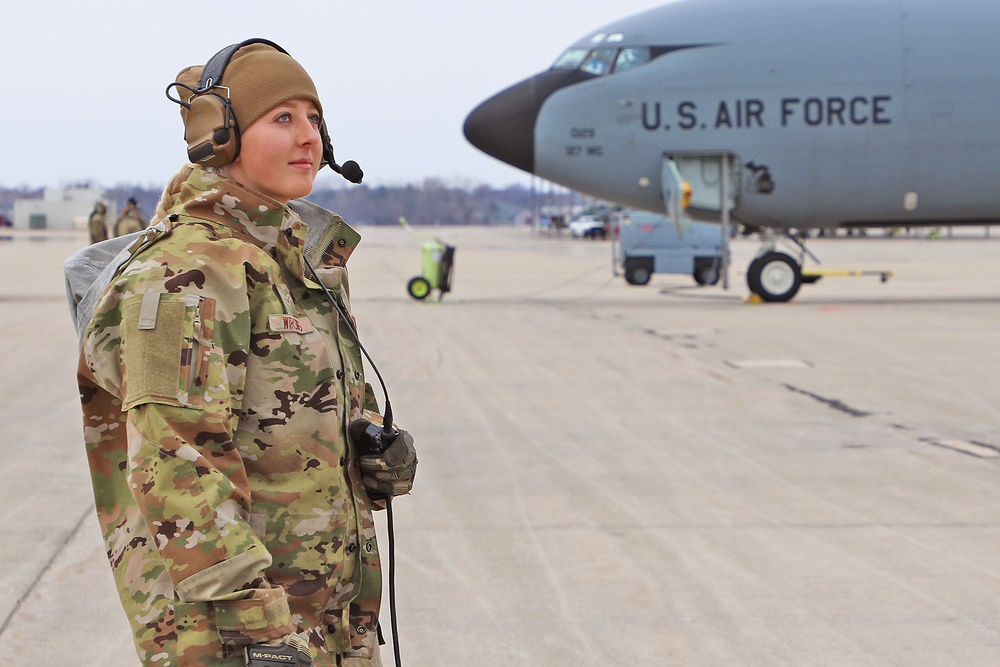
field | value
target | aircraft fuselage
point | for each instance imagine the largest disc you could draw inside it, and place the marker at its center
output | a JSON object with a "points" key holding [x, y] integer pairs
{"points": [[874, 112]]}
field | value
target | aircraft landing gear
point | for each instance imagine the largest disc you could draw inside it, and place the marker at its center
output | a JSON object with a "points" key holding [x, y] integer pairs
{"points": [[774, 277]]}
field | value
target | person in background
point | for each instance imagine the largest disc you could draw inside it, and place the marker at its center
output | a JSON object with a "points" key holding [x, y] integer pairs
{"points": [[130, 219], [97, 224]]}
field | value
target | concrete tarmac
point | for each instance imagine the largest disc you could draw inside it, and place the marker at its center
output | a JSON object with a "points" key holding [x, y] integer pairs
{"points": [[609, 475]]}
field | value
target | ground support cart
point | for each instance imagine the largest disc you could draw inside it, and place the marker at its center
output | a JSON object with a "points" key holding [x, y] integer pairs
{"points": [[436, 261]]}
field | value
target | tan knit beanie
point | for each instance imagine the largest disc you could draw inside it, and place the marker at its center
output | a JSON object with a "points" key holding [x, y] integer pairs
{"points": [[259, 78]]}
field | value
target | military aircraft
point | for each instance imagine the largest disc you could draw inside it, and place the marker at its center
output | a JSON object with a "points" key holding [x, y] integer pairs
{"points": [[822, 114]]}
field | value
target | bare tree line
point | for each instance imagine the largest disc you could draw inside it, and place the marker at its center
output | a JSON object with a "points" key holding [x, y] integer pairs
{"points": [[431, 203]]}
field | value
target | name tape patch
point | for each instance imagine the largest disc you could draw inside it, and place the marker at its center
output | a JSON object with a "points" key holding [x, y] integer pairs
{"points": [[289, 324]]}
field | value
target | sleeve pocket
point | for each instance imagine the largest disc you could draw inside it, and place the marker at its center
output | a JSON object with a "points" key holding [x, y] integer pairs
{"points": [[164, 350]]}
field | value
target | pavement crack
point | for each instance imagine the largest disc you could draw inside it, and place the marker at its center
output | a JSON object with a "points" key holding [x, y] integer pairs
{"points": [[34, 584], [980, 450], [831, 402]]}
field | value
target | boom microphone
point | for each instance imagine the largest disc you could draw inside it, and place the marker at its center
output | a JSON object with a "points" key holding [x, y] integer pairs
{"points": [[349, 170]]}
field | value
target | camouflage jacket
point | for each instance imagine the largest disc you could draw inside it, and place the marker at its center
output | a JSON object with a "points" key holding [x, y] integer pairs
{"points": [[128, 223], [217, 383], [97, 227]]}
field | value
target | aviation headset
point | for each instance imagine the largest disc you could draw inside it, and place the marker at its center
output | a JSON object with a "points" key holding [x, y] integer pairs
{"points": [[210, 128]]}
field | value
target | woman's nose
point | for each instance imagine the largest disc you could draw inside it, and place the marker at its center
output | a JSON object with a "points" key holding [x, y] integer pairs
{"points": [[308, 132]]}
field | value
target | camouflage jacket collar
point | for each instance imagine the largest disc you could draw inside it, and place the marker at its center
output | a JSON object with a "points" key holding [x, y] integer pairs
{"points": [[287, 231], [210, 196]]}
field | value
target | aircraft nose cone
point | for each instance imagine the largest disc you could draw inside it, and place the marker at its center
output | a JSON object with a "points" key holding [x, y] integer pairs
{"points": [[504, 125]]}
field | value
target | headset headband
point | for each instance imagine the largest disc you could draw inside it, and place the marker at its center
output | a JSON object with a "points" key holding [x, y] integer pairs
{"points": [[211, 75]]}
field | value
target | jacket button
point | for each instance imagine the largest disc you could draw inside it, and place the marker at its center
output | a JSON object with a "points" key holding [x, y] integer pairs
{"points": [[340, 374], [362, 629], [351, 548], [343, 461], [341, 242], [357, 375], [368, 547]]}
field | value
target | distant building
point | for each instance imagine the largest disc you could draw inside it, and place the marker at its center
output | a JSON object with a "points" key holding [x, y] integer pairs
{"points": [[60, 208]]}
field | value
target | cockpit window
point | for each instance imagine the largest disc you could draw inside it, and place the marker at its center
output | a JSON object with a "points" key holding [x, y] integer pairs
{"points": [[599, 61], [571, 59], [629, 58], [603, 61]]}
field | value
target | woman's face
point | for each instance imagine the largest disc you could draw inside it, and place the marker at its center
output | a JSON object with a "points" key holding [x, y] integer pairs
{"points": [[280, 152]]}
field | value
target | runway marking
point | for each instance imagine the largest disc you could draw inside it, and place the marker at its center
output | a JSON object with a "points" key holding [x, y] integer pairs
{"points": [[768, 363], [978, 449]]}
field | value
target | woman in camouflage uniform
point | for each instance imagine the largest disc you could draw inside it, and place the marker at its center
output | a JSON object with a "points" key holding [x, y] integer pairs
{"points": [[218, 383]]}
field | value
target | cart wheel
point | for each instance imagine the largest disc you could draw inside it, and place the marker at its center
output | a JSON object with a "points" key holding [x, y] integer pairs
{"points": [[418, 287], [638, 275], [706, 275]]}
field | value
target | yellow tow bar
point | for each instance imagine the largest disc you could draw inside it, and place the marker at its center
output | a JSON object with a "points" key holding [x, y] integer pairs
{"points": [[812, 276]]}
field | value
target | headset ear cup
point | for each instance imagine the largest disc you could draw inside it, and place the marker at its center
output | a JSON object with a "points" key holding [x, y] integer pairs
{"points": [[210, 131]]}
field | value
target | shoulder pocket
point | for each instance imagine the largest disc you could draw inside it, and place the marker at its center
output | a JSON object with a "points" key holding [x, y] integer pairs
{"points": [[166, 340]]}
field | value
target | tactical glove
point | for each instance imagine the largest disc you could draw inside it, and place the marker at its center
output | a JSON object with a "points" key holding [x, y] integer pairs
{"points": [[289, 650], [389, 473]]}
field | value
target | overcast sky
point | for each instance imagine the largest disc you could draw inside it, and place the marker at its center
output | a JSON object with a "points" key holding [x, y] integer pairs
{"points": [[83, 82]]}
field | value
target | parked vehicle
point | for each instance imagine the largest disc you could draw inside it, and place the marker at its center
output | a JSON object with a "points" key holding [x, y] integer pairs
{"points": [[651, 243], [588, 227]]}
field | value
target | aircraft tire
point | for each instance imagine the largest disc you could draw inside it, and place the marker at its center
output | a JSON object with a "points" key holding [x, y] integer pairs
{"points": [[775, 277]]}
